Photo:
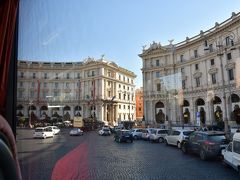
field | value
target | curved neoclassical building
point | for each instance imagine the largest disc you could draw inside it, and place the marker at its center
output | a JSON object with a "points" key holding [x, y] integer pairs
{"points": [[192, 81], [90, 88]]}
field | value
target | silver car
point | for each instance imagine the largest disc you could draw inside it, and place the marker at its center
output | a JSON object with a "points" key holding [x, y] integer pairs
{"points": [[76, 132], [136, 133], [158, 135], [175, 137], [146, 133]]}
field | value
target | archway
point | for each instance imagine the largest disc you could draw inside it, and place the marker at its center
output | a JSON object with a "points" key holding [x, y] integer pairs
{"points": [[185, 103], [66, 108], [217, 100], [20, 114], [201, 114], [200, 102], [66, 112], [20, 110], [20, 107], [235, 98], [218, 114], [186, 112], [235, 111], [43, 110], [93, 111], [32, 108], [159, 112], [77, 111]]}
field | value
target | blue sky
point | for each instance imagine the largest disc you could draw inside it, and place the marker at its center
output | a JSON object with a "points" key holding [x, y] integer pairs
{"points": [[72, 30]]}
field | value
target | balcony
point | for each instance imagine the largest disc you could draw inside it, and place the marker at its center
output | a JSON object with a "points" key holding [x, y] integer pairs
{"points": [[154, 94]]}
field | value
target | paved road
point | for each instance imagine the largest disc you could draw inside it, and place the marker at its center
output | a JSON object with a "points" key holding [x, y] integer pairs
{"points": [[96, 157]]}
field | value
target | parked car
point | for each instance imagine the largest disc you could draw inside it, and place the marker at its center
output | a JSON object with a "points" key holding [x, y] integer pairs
{"points": [[106, 127], [43, 132], [55, 129], [146, 133], [136, 133], [205, 143], [231, 154], [116, 128], [175, 137], [76, 132], [104, 132], [123, 136], [158, 135]]}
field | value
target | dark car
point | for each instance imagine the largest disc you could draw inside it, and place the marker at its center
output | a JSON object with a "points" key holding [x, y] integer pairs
{"points": [[123, 136], [205, 143], [215, 128]]}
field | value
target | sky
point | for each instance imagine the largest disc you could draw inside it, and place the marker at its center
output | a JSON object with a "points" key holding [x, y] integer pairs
{"points": [[73, 30]]}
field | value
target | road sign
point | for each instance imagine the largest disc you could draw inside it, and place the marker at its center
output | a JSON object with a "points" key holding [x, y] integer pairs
{"points": [[78, 122]]}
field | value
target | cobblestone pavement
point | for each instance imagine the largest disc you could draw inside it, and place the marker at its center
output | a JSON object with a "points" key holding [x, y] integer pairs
{"points": [[63, 156]]}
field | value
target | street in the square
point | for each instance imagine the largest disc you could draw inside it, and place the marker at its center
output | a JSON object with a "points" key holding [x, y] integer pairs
{"points": [[99, 157]]}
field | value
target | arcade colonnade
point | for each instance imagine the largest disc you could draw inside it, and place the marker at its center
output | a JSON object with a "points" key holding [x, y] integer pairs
{"points": [[169, 109]]}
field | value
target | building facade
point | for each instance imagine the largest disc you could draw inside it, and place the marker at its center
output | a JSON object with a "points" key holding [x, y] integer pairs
{"points": [[139, 104], [191, 82], [92, 88]]}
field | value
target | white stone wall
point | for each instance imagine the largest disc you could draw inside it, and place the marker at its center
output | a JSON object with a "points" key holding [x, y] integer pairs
{"points": [[170, 62], [67, 90]]}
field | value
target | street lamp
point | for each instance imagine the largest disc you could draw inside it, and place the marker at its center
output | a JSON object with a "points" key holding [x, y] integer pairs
{"points": [[30, 113], [220, 52]]}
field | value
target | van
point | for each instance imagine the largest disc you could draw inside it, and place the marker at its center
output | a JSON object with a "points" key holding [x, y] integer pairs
{"points": [[231, 154]]}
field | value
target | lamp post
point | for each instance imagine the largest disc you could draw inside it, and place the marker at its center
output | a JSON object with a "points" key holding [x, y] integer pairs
{"points": [[79, 92], [175, 89], [129, 117], [224, 95], [30, 113], [166, 107]]}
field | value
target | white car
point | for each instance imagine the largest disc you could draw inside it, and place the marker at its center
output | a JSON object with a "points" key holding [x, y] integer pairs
{"points": [[231, 155], [146, 133], [43, 132], [55, 129], [104, 132], [175, 137], [136, 133], [158, 135], [76, 132]]}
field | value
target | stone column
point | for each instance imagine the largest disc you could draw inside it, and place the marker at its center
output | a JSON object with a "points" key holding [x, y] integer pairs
{"points": [[193, 111], [153, 112], [105, 112], [25, 111], [207, 109], [72, 112]]}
